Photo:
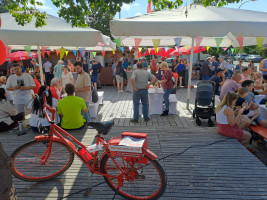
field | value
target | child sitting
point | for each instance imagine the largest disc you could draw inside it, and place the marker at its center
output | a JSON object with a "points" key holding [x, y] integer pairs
{"points": [[241, 102], [258, 86]]}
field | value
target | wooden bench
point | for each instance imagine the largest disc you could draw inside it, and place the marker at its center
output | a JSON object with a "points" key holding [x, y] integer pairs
{"points": [[93, 107], [259, 130], [173, 104]]}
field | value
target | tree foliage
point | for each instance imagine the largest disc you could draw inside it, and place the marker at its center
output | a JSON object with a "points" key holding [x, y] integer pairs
{"points": [[75, 11], [3, 4]]}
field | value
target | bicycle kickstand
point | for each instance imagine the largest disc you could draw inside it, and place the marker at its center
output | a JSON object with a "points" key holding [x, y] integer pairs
{"points": [[89, 189]]}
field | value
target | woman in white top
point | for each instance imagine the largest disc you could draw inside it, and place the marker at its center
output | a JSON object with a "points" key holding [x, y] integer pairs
{"points": [[226, 120], [9, 116], [245, 75], [37, 107], [66, 77]]}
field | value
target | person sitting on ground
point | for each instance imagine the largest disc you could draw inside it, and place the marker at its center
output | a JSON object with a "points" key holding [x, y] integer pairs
{"points": [[167, 86], [70, 109], [9, 116], [37, 108], [226, 120], [218, 78], [9, 96], [245, 75], [66, 77], [55, 89], [230, 85], [250, 99], [241, 102]]}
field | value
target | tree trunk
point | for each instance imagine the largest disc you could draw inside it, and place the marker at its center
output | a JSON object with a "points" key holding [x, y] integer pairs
{"points": [[7, 189]]}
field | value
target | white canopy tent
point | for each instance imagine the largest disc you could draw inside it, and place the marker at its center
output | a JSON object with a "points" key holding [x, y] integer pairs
{"points": [[57, 33], [206, 22]]}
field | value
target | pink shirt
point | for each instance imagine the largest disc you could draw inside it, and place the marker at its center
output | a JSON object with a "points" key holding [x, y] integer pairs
{"points": [[229, 86]]}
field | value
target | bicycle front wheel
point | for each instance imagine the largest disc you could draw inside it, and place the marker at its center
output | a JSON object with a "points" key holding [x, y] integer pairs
{"points": [[27, 161], [140, 181]]}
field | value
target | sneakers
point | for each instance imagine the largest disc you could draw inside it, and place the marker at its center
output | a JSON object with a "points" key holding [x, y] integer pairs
{"points": [[120, 91], [134, 121], [165, 113], [146, 120]]}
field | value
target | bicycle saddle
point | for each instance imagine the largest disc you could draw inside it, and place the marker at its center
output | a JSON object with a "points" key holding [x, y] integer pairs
{"points": [[102, 127]]}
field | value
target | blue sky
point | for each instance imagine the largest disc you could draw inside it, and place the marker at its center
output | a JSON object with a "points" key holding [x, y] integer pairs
{"points": [[140, 7]]}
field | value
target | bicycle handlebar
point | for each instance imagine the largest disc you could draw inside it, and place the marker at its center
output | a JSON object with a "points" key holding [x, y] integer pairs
{"points": [[47, 107]]}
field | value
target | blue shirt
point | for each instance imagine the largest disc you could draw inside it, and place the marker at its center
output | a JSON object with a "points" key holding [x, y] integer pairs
{"points": [[95, 69], [239, 102], [125, 63], [160, 73], [85, 67], [250, 97], [216, 65], [23, 69], [145, 65], [180, 67], [265, 67], [217, 80]]}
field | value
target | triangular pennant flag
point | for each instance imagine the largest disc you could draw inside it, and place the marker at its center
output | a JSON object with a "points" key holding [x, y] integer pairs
{"points": [[149, 7], [198, 41], [259, 41], [218, 41], [137, 42], [166, 49], [157, 50], [113, 51], [94, 53], [177, 41], [140, 49], [240, 41], [208, 48], [57, 51], [130, 48], [118, 42], [75, 52], [122, 49], [186, 47], [43, 49], [100, 44], [232, 50], [61, 53], [66, 52], [31, 54], [82, 51], [103, 53], [149, 50], [155, 43], [48, 53], [218, 49], [177, 48], [28, 49], [225, 49]]}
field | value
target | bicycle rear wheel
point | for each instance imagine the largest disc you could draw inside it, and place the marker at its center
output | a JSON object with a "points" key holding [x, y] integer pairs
{"points": [[144, 181], [27, 163]]}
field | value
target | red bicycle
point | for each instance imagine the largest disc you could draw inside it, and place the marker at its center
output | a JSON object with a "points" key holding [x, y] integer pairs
{"points": [[132, 172]]}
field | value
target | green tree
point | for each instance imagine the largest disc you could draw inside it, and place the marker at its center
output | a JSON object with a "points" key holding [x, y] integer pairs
{"points": [[3, 4], [75, 11]]}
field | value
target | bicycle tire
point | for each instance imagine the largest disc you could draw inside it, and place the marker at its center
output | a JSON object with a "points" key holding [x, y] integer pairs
{"points": [[26, 161], [141, 189]]}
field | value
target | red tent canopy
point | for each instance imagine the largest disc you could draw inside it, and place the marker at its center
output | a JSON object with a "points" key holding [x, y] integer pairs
{"points": [[21, 55]]}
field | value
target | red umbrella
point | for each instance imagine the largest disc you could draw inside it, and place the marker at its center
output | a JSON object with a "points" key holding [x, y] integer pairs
{"points": [[187, 51], [21, 55]]}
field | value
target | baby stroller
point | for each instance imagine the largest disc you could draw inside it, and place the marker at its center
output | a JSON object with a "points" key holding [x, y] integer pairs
{"points": [[204, 102]]}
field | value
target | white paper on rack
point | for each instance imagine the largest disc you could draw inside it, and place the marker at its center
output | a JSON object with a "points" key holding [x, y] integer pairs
{"points": [[132, 142], [94, 148]]}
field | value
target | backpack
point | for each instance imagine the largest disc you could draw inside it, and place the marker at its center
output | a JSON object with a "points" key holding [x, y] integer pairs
{"points": [[94, 95]]}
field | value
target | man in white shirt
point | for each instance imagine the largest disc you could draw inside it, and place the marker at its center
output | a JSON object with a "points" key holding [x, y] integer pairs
{"points": [[21, 84], [223, 63], [47, 69]]}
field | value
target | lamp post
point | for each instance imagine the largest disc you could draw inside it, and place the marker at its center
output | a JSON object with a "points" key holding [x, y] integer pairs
{"points": [[245, 2]]}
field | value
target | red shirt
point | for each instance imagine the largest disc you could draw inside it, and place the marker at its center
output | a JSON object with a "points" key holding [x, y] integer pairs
{"points": [[153, 65], [38, 85], [167, 76]]}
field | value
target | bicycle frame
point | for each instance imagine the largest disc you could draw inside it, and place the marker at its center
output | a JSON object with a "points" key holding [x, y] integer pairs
{"points": [[55, 135]]}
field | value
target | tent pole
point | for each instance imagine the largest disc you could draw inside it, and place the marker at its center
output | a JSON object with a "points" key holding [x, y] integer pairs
{"points": [[190, 73], [40, 64]]}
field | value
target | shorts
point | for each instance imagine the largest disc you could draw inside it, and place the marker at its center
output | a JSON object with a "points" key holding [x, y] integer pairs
{"points": [[114, 77], [20, 107], [175, 75], [180, 74], [119, 79], [251, 113], [230, 131], [94, 78]]}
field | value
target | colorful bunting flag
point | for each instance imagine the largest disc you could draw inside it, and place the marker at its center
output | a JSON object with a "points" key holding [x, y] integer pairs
{"points": [[149, 7], [186, 47], [157, 50], [75, 52], [100, 44], [198, 40], [208, 48], [232, 50], [225, 49], [139, 54], [218, 41], [27, 49], [113, 51], [103, 53], [149, 50], [177, 48], [177, 41], [130, 48], [82, 52], [259, 41], [118, 42], [48, 53], [137, 42], [61, 53], [140, 49], [122, 49], [31, 54], [66, 52], [43, 49], [240, 41], [166, 49], [57, 51], [94, 53], [155, 43]]}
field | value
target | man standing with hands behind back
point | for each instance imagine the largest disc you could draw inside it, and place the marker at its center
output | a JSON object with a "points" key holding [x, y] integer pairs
{"points": [[21, 84], [83, 88]]}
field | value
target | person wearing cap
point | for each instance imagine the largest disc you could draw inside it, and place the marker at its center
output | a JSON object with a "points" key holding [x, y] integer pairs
{"points": [[223, 63], [58, 70], [218, 78]]}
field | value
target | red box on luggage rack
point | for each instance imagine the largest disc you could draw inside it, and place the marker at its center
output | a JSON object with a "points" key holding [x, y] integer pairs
{"points": [[128, 150]]}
